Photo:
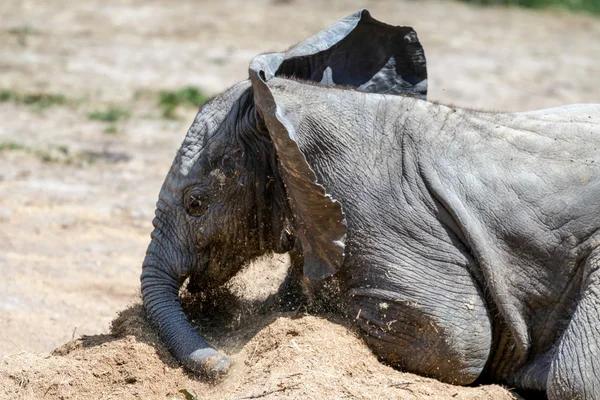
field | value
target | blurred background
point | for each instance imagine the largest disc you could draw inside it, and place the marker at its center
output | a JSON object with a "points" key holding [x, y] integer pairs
{"points": [[96, 96]]}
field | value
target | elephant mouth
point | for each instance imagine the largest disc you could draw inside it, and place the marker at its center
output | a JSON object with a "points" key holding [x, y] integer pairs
{"points": [[214, 269]]}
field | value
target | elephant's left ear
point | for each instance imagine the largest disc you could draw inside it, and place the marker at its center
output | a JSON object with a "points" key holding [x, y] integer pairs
{"points": [[357, 51]]}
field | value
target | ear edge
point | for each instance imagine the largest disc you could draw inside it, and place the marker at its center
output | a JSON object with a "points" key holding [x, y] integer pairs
{"points": [[319, 220]]}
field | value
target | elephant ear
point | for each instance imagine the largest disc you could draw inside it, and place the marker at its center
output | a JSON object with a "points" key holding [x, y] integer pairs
{"points": [[356, 51], [319, 221]]}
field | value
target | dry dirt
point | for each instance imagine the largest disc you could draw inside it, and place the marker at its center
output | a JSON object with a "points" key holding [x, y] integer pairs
{"points": [[275, 356], [77, 200]]}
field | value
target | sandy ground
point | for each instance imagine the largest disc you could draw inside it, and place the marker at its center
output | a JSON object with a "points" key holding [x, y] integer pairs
{"points": [[274, 356], [77, 202]]}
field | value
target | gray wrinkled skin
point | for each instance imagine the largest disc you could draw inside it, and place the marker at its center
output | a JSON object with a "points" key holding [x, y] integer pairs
{"points": [[465, 243], [472, 243]]}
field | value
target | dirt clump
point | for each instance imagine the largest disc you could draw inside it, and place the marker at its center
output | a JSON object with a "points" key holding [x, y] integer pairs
{"points": [[276, 356]]}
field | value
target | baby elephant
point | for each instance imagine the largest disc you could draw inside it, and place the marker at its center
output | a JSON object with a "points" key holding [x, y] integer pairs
{"points": [[465, 243]]}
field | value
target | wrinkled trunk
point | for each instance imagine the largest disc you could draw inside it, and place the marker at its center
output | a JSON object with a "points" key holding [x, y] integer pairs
{"points": [[160, 294]]}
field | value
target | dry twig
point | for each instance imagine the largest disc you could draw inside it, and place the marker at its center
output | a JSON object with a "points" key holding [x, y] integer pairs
{"points": [[268, 392]]}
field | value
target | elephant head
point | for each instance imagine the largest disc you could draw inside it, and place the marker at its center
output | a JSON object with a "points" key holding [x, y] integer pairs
{"points": [[240, 187]]}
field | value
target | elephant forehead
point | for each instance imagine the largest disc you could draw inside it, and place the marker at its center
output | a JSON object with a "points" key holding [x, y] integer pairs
{"points": [[196, 143], [208, 126]]}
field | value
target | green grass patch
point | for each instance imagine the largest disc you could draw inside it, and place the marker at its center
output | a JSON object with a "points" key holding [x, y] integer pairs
{"points": [[40, 101], [22, 33], [170, 100], [61, 154], [51, 153], [23, 30], [111, 114], [12, 146], [590, 6], [6, 95]]}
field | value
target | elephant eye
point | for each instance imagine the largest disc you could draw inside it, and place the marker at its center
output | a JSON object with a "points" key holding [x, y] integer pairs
{"points": [[196, 204]]}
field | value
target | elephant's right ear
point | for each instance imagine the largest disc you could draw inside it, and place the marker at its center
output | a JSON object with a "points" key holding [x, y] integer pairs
{"points": [[357, 51]]}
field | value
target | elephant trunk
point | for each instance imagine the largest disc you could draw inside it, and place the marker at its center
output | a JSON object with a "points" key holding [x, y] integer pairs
{"points": [[160, 293]]}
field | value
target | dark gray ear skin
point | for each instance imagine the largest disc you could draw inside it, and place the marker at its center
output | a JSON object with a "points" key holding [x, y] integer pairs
{"points": [[357, 51], [318, 221]]}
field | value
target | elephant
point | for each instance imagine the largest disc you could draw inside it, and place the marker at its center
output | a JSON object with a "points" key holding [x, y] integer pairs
{"points": [[464, 244]]}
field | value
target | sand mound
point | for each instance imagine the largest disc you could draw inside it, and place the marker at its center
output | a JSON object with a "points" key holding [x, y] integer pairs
{"points": [[276, 356]]}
